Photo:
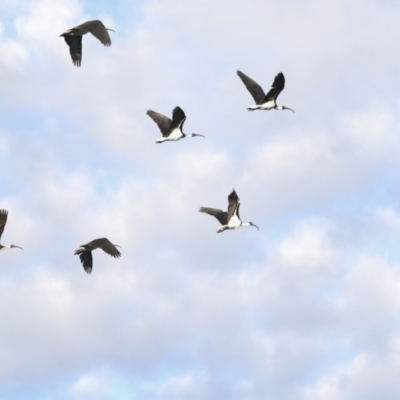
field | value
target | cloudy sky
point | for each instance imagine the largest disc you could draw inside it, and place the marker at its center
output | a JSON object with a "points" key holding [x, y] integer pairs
{"points": [[307, 308]]}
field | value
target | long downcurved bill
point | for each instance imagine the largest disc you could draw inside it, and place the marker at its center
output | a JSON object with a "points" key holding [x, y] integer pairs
{"points": [[287, 108]]}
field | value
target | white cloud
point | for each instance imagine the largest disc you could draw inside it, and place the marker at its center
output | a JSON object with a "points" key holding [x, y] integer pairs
{"points": [[389, 217], [13, 54], [367, 376], [186, 312], [92, 386], [371, 131], [4, 146], [307, 249], [44, 18]]}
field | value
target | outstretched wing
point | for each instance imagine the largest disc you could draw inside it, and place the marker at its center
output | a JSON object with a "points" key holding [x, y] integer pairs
{"points": [[163, 122], [106, 246], [3, 220], [277, 87], [178, 118], [234, 204], [222, 216], [253, 87], [98, 30], [87, 261], [75, 48]]}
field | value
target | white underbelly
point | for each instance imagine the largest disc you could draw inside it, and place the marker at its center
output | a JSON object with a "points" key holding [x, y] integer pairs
{"points": [[268, 105], [176, 134], [234, 222]]}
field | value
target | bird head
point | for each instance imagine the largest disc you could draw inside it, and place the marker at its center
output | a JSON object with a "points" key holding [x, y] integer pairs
{"points": [[13, 246], [195, 134], [66, 33], [286, 108]]}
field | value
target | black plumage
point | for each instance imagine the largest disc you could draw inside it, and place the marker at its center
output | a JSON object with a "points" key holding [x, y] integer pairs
{"points": [[170, 129], [165, 124], [73, 37], [264, 101], [3, 222], [224, 216], [85, 252]]}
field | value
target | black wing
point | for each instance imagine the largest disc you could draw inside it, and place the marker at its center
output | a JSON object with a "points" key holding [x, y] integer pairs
{"points": [[106, 246], [222, 216], [234, 204], [98, 30], [75, 48], [163, 122], [87, 261], [178, 118], [3, 220], [253, 87], [277, 87]]}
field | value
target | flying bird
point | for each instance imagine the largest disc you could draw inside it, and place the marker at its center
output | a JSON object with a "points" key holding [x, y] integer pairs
{"points": [[171, 130], [3, 221], [230, 219], [264, 102], [85, 252], [73, 38]]}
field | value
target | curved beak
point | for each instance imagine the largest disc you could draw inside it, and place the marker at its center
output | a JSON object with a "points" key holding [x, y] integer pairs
{"points": [[196, 134], [287, 108], [254, 225], [12, 246], [116, 245], [112, 30]]}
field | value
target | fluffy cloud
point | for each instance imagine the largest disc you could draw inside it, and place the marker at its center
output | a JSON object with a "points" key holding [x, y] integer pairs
{"points": [[306, 308]]}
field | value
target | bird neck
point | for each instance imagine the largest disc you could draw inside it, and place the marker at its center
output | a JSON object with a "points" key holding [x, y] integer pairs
{"points": [[245, 224], [5, 247]]}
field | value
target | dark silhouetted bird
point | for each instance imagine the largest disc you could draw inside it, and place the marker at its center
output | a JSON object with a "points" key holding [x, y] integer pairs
{"points": [[3, 221], [73, 38], [264, 101], [230, 219], [171, 130], [85, 252]]}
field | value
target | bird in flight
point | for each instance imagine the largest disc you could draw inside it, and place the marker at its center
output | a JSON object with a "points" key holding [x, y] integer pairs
{"points": [[85, 252], [264, 101], [171, 130], [3, 221], [228, 219], [73, 38]]}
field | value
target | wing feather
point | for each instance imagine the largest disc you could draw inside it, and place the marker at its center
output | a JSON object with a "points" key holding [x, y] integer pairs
{"points": [[222, 216], [178, 118], [234, 204], [87, 261], [98, 30], [106, 246], [163, 122], [277, 87], [253, 87], [3, 220], [75, 48]]}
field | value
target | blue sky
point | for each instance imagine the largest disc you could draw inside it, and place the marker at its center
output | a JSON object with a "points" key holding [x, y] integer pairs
{"points": [[306, 308]]}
